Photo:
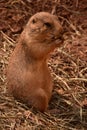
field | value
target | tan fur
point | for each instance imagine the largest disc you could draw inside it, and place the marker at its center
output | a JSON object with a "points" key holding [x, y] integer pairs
{"points": [[28, 77]]}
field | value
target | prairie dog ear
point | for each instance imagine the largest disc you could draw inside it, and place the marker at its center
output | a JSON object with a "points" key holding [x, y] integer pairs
{"points": [[34, 20]]}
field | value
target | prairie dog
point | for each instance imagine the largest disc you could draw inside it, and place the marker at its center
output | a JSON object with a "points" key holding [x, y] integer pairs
{"points": [[28, 76]]}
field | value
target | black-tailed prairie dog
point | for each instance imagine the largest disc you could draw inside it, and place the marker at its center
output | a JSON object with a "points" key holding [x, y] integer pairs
{"points": [[28, 76]]}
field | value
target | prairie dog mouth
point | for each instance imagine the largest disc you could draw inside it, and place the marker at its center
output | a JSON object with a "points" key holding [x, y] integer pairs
{"points": [[58, 38]]}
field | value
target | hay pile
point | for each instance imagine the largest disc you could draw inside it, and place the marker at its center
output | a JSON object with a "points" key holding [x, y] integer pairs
{"points": [[68, 66]]}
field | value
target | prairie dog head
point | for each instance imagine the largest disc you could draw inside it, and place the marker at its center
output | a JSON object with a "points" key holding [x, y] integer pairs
{"points": [[42, 33]]}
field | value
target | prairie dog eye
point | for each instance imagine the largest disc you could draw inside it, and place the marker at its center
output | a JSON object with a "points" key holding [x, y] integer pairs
{"points": [[48, 24]]}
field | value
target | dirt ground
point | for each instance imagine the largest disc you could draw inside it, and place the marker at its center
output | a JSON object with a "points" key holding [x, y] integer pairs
{"points": [[68, 65]]}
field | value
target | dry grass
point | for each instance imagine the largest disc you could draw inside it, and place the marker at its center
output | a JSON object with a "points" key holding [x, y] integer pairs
{"points": [[67, 108], [68, 65]]}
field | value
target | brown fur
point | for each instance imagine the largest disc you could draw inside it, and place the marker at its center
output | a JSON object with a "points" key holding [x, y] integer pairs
{"points": [[28, 77]]}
